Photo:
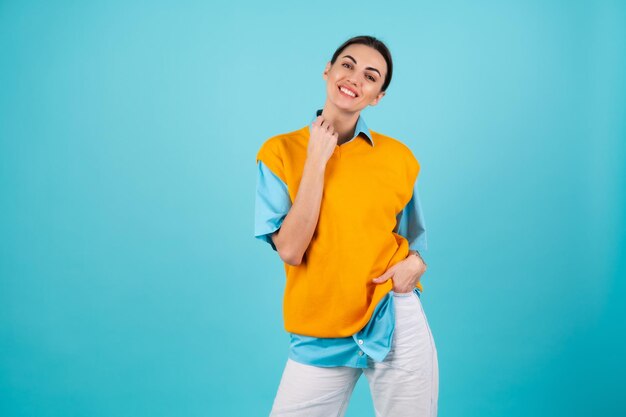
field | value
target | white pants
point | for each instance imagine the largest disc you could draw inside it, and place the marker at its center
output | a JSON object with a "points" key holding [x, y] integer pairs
{"points": [[405, 384]]}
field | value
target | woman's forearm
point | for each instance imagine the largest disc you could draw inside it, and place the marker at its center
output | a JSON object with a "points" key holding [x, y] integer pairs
{"points": [[296, 231]]}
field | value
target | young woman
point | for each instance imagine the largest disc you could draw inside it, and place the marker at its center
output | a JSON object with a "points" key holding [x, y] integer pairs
{"points": [[339, 204]]}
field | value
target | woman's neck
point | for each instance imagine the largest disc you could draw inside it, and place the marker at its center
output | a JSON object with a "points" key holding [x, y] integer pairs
{"points": [[343, 122]]}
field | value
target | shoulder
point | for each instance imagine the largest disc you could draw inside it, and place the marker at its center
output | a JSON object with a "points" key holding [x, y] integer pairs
{"points": [[396, 148], [278, 152], [277, 145]]}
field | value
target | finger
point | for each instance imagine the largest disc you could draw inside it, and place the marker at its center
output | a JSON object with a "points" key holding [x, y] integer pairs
{"points": [[388, 272], [317, 122], [379, 280], [384, 277]]}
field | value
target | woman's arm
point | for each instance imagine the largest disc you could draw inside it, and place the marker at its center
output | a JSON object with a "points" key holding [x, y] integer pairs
{"points": [[296, 231]]}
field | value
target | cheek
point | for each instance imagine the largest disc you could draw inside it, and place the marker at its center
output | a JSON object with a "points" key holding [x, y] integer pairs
{"points": [[371, 93]]}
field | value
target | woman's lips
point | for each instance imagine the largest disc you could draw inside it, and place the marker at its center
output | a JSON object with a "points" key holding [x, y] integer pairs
{"points": [[344, 94]]}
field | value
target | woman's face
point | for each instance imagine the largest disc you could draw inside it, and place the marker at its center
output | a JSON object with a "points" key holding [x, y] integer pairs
{"points": [[362, 70]]}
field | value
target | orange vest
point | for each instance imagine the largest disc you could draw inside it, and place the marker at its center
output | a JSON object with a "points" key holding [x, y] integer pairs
{"points": [[330, 294]]}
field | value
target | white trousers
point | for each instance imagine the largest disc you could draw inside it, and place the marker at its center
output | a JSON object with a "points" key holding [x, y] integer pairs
{"points": [[405, 384]]}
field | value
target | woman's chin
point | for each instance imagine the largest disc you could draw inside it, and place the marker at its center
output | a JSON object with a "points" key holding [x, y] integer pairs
{"points": [[344, 106]]}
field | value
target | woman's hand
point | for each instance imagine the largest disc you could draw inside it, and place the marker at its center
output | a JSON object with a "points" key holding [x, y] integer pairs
{"points": [[322, 141], [405, 274]]}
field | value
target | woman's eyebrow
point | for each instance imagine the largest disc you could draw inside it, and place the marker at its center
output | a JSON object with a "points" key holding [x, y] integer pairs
{"points": [[369, 68]]}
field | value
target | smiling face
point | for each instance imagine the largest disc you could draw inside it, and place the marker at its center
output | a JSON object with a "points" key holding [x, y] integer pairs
{"points": [[354, 81]]}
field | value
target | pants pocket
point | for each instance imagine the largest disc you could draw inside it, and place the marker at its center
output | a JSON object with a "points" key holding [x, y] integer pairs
{"points": [[411, 347]]}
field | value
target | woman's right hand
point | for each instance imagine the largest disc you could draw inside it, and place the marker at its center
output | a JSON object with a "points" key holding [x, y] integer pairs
{"points": [[322, 141]]}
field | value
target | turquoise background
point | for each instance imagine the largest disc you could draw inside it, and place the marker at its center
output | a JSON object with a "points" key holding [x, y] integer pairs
{"points": [[131, 283]]}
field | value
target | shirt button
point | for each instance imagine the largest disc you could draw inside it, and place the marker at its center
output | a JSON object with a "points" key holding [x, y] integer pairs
{"points": [[360, 353], [360, 341]]}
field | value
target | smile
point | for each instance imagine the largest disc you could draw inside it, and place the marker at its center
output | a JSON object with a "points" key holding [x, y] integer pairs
{"points": [[347, 92]]}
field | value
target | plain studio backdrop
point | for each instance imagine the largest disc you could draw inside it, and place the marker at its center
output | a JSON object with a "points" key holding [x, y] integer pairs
{"points": [[130, 280]]}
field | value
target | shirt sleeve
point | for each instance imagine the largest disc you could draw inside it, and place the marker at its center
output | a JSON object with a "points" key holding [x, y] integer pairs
{"points": [[410, 223], [272, 203]]}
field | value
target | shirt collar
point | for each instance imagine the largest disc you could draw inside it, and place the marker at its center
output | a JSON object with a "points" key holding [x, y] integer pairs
{"points": [[361, 127]]}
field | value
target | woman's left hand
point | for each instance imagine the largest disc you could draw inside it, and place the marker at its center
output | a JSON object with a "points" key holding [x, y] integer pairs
{"points": [[405, 274]]}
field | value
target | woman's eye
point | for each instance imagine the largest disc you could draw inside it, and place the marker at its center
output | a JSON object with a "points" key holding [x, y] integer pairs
{"points": [[347, 65]]}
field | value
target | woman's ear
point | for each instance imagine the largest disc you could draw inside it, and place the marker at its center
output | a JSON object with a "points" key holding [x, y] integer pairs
{"points": [[377, 99], [325, 74]]}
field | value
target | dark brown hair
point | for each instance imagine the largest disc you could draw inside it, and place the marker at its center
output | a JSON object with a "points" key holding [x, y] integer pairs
{"points": [[374, 43]]}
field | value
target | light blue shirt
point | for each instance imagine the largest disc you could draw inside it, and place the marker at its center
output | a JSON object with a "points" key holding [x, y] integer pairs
{"points": [[271, 207]]}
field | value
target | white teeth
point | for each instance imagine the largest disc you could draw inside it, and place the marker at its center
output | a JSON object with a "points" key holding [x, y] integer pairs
{"points": [[345, 90]]}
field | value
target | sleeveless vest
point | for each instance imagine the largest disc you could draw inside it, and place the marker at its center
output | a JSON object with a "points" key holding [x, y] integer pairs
{"points": [[330, 294]]}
